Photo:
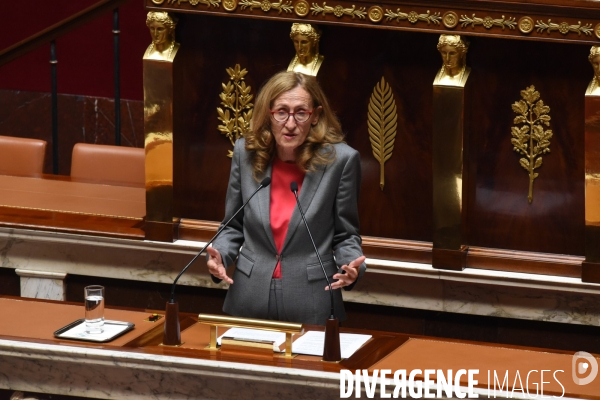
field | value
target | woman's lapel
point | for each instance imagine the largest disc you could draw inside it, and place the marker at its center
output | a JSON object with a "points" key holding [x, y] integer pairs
{"points": [[311, 183], [264, 202]]}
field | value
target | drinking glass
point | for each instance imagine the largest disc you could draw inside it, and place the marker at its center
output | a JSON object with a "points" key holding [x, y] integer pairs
{"points": [[94, 309]]}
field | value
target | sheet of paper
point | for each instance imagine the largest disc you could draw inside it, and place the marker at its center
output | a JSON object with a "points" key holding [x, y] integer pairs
{"points": [[109, 330], [311, 343], [257, 335]]}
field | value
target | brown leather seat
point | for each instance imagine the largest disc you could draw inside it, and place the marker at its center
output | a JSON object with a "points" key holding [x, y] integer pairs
{"points": [[21, 156], [116, 165]]}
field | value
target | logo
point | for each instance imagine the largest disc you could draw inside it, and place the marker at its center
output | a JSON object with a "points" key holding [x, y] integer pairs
{"points": [[584, 369]]}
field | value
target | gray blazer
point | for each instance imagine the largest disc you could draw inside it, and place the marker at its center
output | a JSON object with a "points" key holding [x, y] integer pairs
{"points": [[329, 199]]}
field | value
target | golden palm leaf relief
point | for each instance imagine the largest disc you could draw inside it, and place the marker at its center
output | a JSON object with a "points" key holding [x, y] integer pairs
{"points": [[236, 101], [383, 124], [530, 139]]}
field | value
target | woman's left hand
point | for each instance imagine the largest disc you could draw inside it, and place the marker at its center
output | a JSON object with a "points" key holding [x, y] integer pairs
{"points": [[350, 276]]}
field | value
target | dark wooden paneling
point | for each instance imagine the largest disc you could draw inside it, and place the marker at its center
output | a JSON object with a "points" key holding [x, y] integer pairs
{"points": [[500, 215], [355, 61]]}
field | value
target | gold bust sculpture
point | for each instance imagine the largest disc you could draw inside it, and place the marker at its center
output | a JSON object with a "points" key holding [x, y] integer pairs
{"points": [[162, 29], [593, 88], [454, 71], [306, 42]]}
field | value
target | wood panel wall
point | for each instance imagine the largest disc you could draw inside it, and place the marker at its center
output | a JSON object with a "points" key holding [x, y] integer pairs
{"points": [[355, 60], [397, 222]]}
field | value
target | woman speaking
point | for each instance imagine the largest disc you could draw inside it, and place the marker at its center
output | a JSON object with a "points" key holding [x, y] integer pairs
{"points": [[295, 137]]}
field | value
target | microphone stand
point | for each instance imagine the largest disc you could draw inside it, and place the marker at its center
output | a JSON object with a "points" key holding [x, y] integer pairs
{"points": [[331, 346], [172, 330]]}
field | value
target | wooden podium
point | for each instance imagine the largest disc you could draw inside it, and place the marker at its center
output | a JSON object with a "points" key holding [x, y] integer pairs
{"points": [[136, 365]]}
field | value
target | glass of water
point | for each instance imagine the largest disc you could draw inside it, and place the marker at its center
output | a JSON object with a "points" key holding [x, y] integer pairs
{"points": [[94, 309]]}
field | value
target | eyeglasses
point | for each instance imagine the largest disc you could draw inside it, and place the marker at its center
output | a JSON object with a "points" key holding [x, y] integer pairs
{"points": [[283, 115]]}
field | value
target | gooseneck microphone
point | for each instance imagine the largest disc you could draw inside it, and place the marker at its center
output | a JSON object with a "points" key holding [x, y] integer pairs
{"points": [[172, 334], [331, 345], [294, 188]]}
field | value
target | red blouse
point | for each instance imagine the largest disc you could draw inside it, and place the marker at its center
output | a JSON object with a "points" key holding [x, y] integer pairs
{"points": [[283, 202]]}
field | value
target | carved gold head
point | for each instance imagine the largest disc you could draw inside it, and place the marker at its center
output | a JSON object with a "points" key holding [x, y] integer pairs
{"points": [[594, 58], [162, 29], [306, 41], [453, 49]]}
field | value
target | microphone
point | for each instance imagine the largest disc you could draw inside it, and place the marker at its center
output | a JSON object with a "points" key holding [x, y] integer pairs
{"points": [[331, 348], [172, 333]]}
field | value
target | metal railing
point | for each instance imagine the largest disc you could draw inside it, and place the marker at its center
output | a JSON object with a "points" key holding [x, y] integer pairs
{"points": [[49, 35]]}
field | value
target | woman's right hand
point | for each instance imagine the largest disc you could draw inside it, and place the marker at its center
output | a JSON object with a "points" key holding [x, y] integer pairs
{"points": [[215, 265]]}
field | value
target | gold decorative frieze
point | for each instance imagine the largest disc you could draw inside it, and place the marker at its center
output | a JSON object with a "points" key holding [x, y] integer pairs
{"points": [[339, 11], [236, 101], [301, 8], [266, 5], [530, 139], [375, 13], [413, 17], [230, 5], [450, 19], [564, 27], [525, 24], [209, 3], [383, 123], [487, 22]]}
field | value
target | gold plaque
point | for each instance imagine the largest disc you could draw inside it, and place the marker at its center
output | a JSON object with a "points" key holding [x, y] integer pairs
{"points": [[526, 24], [230, 5], [450, 19], [597, 30], [301, 8], [375, 13]]}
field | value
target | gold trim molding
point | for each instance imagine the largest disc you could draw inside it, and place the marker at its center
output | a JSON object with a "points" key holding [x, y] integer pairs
{"points": [[487, 22], [209, 3], [450, 19], [302, 8], [526, 25], [383, 125], [413, 17], [564, 27], [235, 98], [266, 5], [522, 24], [375, 13], [230, 5], [338, 11], [530, 139]]}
